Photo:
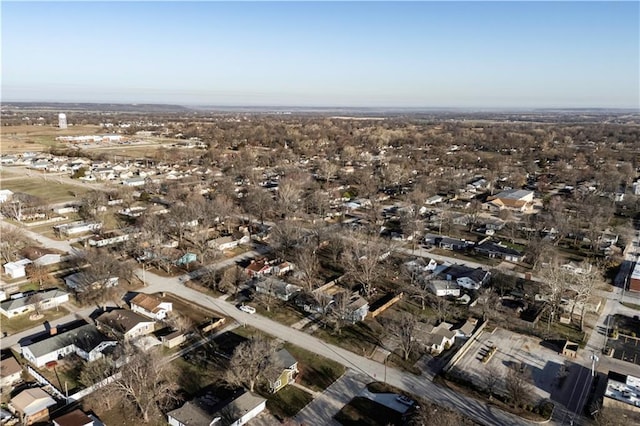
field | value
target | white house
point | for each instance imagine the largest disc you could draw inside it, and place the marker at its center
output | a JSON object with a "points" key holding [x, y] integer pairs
{"points": [[16, 269], [77, 282], [226, 243], [204, 411], [85, 341], [443, 288], [75, 228], [44, 300], [150, 306]]}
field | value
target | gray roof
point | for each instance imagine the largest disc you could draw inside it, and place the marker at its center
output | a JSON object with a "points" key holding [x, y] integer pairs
{"points": [[200, 411], [9, 305], [285, 358], [86, 337]]}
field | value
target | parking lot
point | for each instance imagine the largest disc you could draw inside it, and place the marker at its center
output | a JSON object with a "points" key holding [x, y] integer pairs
{"points": [[626, 349], [544, 363]]}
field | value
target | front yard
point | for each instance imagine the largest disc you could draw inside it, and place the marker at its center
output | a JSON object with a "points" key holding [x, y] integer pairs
{"points": [[22, 322]]}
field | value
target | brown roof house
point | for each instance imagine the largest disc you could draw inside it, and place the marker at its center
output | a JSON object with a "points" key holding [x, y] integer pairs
{"points": [[77, 418], [32, 405], [125, 324], [151, 306], [10, 372]]}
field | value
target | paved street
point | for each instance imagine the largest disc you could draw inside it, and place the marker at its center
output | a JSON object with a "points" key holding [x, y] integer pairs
{"points": [[64, 246]]}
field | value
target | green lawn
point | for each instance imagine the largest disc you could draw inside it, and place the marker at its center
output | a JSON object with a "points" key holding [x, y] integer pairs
{"points": [[288, 402], [316, 372]]}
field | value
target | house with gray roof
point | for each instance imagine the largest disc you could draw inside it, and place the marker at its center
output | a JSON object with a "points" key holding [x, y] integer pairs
{"points": [[208, 410], [42, 301], [85, 341]]}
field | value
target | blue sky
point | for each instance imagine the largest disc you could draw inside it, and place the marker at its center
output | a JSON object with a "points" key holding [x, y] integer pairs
{"points": [[414, 54]]}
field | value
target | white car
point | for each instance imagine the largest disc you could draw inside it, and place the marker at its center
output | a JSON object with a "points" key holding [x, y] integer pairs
{"points": [[248, 309]]}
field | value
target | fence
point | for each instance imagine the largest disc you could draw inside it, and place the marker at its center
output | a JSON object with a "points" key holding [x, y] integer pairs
{"points": [[384, 307], [463, 350], [44, 382]]}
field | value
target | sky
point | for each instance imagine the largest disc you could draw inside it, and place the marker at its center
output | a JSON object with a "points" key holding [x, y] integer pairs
{"points": [[359, 54]]}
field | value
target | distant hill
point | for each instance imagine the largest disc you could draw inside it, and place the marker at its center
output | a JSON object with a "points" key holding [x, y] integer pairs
{"points": [[96, 107]]}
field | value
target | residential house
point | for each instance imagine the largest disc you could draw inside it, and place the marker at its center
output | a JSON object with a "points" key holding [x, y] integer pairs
{"points": [[77, 417], [357, 308], [107, 239], [75, 228], [452, 244], [442, 288], [44, 300], [309, 303], [466, 277], [497, 250], [513, 199], [85, 341], [10, 372], [150, 306], [209, 410], [436, 199], [125, 324], [289, 372], [466, 328], [171, 338], [16, 269], [186, 259], [258, 267], [134, 181], [278, 288], [33, 405], [435, 339], [227, 243], [79, 281]]}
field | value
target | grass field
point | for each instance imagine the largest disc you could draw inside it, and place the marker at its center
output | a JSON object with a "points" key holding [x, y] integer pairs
{"points": [[316, 372], [50, 190], [36, 138], [288, 402]]}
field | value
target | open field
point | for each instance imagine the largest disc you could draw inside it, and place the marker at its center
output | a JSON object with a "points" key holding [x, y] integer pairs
{"points": [[50, 190], [37, 138]]}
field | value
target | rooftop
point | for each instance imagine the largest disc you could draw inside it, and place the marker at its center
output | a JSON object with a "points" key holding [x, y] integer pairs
{"points": [[623, 388]]}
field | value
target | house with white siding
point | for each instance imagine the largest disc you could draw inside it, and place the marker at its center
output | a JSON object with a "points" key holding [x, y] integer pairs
{"points": [[85, 341]]}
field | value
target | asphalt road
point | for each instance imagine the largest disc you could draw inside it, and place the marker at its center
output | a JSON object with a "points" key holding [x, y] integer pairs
{"points": [[374, 370]]}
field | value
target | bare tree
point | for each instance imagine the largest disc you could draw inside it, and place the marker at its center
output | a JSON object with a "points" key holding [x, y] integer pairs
{"points": [[555, 281], [145, 381], [37, 273], [13, 240], [307, 264], [364, 263], [404, 331], [253, 362], [517, 383], [233, 277], [179, 322], [340, 311], [492, 380], [428, 414]]}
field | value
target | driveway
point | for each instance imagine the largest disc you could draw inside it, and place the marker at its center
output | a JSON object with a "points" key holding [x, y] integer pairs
{"points": [[321, 410]]}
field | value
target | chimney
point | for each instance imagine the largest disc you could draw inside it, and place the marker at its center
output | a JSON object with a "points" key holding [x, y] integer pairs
{"points": [[53, 331]]}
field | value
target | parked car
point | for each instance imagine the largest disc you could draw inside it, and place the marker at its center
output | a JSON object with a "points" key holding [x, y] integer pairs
{"points": [[248, 309], [405, 400]]}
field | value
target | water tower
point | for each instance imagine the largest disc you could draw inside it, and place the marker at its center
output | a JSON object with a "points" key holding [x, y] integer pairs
{"points": [[62, 121]]}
